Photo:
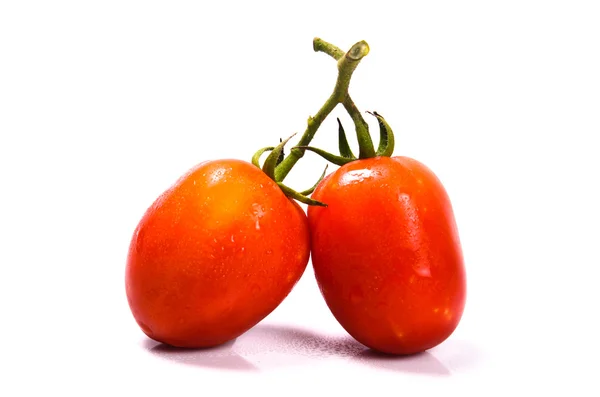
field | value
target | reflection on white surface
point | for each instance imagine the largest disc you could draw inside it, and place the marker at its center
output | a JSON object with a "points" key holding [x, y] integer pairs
{"points": [[273, 346], [220, 357]]}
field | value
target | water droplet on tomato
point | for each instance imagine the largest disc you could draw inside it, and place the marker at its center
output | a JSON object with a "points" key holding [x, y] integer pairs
{"points": [[257, 212], [217, 176]]}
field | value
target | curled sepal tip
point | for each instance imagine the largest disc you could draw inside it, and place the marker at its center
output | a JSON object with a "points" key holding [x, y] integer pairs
{"points": [[288, 191], [344, 147], [259, 152], [332, 158], [312, 189], [271, 161], [386, 136]]}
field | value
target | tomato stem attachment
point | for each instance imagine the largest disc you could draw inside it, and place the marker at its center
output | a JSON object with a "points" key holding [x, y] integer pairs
{"points": [[277, 166], [347, 63], [269, 166]]}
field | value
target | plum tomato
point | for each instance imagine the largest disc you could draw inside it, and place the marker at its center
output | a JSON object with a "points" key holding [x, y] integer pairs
{"points": [[214, 255], [386, 254]]}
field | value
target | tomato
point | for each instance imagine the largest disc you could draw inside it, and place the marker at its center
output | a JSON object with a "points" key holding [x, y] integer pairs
{"points": [[214, 255], [387, 255]]}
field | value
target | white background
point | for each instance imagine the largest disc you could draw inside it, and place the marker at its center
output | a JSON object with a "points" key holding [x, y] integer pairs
{"points": [[104, 104]]}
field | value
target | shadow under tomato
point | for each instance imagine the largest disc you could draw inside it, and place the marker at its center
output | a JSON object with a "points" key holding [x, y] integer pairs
{"points": [[219, 357], [296, 342], [421, 363], [268, 346]]}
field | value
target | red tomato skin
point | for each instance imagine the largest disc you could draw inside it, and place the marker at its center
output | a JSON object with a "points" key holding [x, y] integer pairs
{"points": [[387, 256], [214, 255]]}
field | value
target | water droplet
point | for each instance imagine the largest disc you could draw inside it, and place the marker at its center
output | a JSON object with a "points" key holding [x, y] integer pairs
{"points": [[258, 212], [269, 252], [217, 175], [232, 239]]}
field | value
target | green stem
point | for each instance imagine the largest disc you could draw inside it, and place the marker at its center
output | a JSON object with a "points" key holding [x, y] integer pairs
{"points": [[328, 48], [347, 63], [365, 143]]}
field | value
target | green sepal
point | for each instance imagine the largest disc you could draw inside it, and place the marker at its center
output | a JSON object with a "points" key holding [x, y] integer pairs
{"points": [[345, 150], [259, 152], [281, 155], [312, 189], [288, 191], [332, 158], [271, 161], [386, 137]]}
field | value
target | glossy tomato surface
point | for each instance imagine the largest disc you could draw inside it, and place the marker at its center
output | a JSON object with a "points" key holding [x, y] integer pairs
{"points": [[214, 255], [386, 254]]}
